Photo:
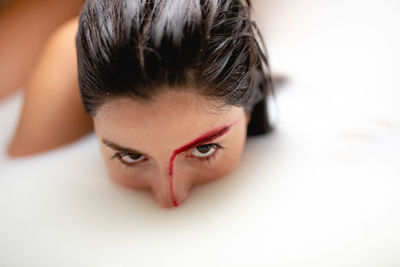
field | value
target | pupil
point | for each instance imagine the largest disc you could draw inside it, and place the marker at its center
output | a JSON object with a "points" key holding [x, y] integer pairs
{"points": [[203, 149], [134, 156]]}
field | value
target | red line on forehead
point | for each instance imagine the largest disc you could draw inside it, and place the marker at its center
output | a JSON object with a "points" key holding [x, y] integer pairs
{"points": [[207, 137]]}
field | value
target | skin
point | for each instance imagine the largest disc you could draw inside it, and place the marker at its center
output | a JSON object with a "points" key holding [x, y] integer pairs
{"points": [[158, 128], [53, 116], [25, 26]]}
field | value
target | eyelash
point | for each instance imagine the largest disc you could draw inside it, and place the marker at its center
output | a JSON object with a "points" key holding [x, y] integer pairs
{"points": [[208, 159], [216, 146]]}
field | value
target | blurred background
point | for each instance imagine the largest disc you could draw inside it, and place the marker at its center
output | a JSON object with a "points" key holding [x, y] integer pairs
{"points": [[322, 190], [25, 27]]}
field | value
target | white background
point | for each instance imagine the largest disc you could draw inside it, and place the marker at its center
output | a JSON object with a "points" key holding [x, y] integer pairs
{"points": [[322, 190]]}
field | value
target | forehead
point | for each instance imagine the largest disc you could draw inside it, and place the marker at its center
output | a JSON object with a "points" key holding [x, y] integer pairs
{"points": [[175, 117]]}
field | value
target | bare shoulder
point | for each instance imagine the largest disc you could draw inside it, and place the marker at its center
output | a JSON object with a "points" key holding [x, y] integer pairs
{"points": [[52, 113], [63, 40]]}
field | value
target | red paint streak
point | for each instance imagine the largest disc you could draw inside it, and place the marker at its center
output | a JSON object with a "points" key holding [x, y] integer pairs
{"points": [[171, 176], [205, 138]]}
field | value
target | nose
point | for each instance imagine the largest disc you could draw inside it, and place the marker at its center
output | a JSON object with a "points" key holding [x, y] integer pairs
{"points": [[171, 188]]}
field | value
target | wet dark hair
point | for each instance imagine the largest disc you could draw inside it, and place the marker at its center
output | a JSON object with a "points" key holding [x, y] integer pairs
{"points": [[137, 48]]}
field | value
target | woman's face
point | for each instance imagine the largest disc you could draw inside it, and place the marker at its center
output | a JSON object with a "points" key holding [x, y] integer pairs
{"points": [[169, 144]]}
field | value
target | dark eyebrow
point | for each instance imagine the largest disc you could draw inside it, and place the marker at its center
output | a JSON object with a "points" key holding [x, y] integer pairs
{"points": [[120, 148], [205, 138]]}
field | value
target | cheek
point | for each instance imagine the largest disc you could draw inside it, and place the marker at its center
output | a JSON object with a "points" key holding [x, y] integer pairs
{"points": [[126, 176], [221, 169], [225, 162]]}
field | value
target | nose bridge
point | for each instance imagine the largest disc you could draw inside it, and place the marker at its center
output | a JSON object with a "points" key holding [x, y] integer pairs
{"points": [[161, 186], [180, 179], [162, 178], [171, 183]]}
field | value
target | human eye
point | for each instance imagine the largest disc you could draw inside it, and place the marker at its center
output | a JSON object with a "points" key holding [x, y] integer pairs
{"points": [[206, 151], [128, 158]]}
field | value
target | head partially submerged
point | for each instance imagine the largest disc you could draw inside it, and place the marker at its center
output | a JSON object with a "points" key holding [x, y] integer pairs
{"points": [[173, 86]]}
